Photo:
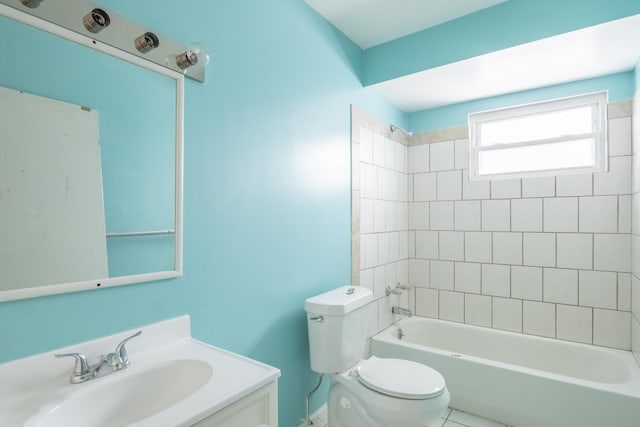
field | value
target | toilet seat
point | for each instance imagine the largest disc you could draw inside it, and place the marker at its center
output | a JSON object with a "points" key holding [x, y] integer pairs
{"points": [[401, 378]]}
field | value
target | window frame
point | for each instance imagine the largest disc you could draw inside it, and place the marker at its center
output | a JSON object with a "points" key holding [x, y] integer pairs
{"points": [[596, 101]]}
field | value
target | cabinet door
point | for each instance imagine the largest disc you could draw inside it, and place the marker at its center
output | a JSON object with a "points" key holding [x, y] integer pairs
{"points": [[258, 409]]}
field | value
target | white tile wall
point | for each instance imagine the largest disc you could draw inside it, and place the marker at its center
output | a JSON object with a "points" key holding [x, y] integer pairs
{"points": [[547, 256], [634, 280]]}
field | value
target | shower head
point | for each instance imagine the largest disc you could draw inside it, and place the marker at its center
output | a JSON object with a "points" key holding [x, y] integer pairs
{"points": [[395, 129]]}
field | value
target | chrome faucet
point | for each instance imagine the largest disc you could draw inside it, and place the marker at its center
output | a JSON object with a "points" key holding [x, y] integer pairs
{"points": [[396, 309], [107, 364]]}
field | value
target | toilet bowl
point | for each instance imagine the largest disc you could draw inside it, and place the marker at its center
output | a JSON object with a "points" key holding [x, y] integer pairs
{"points": [[387, 393], [374, 392]]}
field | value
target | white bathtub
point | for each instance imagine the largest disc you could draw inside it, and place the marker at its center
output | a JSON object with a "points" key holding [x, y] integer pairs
{"points": [[521, 380]]}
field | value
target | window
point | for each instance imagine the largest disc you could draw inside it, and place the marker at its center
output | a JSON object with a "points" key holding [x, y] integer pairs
{"points": [[554, 137]]}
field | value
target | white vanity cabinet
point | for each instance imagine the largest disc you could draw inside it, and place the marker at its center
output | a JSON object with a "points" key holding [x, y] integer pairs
{"points": [[258, 409]]}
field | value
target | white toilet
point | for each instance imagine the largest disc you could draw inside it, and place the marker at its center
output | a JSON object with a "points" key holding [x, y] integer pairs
{"points": [[374, 392]]}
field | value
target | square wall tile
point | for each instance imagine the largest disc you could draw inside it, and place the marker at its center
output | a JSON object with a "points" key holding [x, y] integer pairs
{"points": [[369, 250], [507, 314], [598, 289], [424, 187], [624, 214], [539, 249], [442, 216], [560, 286], [617, 180], [574, 323], [449, 185], [624, 291], [612, 328], [368, 181], [467, 216], [442, 156], [478, 247], [474, 190], [419, 272], [561, 215], [575, 250], [467, 277], [373, 319], [461, 153], [598, 214], [620, 136], [539, 318], [366, 145], [384, 313], [506, 189], [526, 215], [418, 158], [379, 281], [496, 280], [390, 153], [378, 149], [411, 244], [526, 283], [451, 306], [452, 245], [379, 216], [612, 252], [441, 275], [418, 216], [574, 185], [427, 244], [496, 215], [507, 248], [366, 215], [539, 187], [427, 302], [477, 310]]}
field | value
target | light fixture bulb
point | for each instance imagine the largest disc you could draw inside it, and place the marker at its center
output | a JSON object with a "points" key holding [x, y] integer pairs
{"points": [[31, 3], [96, 20], [196, 54], [147, 42]]}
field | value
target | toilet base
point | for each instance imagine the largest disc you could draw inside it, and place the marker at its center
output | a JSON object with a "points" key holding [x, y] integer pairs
{"points": [[351, 404]]}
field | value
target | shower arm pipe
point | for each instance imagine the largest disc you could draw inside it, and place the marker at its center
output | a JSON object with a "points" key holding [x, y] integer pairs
{"points": [[307, 419]]}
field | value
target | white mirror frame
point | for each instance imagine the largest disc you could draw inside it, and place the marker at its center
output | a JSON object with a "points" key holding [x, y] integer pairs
{"points": [[16, 294]]}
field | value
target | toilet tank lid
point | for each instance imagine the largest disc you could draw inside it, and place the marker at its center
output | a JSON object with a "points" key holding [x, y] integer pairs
{"points": [[338, 301]]}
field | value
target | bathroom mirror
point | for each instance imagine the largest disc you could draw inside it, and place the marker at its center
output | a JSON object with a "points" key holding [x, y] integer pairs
{"points": [[138, 109]]}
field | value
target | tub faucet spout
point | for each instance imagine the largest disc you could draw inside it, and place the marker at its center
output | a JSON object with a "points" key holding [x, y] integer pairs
{"points": [[401, 311]]}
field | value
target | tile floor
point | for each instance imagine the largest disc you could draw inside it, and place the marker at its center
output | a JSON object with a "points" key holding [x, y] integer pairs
{"points": [[455, 418]]}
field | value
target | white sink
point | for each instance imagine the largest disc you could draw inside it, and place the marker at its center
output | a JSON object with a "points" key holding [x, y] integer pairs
{"points": [[129, 396], [173, 380]]}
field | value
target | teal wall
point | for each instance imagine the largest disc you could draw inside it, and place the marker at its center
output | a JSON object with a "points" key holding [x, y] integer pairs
{"points": [[267, 192], [505, 25], [637, 76], [620, 87]]}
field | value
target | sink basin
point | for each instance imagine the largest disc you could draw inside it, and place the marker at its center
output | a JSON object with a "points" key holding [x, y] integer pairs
{"points": [[126, 397]]}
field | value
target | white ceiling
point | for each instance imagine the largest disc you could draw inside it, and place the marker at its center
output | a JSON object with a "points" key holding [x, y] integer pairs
{"points": [[372, 22], [591, 52]]}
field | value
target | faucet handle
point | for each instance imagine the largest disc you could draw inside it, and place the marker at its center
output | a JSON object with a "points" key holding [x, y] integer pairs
{"points": [[81, 371], [121, 350]]}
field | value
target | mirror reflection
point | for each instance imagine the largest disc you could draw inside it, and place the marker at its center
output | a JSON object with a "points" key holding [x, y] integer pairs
{"points": [[135, 112]]}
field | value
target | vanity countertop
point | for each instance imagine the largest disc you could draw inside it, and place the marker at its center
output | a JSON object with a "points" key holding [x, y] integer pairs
{"points": [[35, 386]]}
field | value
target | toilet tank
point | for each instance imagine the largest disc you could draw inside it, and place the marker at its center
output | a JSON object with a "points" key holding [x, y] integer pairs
{"points": [[338, 321]]}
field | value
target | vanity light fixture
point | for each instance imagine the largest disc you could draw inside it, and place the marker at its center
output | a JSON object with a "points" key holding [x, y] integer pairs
{"points": [[31, 3], [196, 54], [96, 20], [147, 42]]}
